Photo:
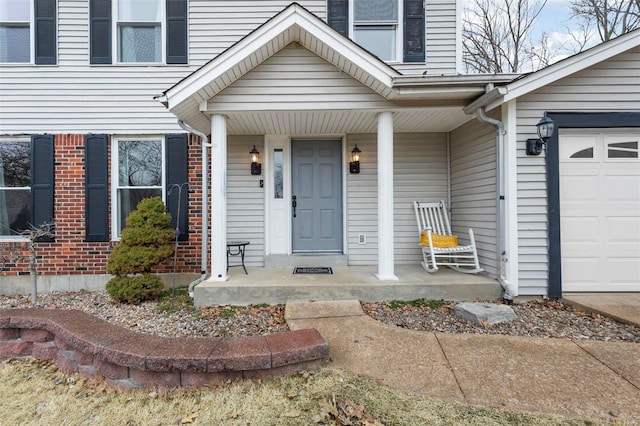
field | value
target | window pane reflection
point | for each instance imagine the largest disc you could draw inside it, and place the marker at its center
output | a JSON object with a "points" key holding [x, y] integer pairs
{"points": [[277, 174]]}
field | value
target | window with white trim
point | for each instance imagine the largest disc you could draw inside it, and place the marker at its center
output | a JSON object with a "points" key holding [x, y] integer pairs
{"points": [[139, 167], [28, 32], [15, 31], [375, 27], [392, 30], [15, 186], [139, 30]]}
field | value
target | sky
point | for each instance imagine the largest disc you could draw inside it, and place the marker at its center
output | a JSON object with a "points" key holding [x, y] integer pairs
{"points": [[554, 20]]}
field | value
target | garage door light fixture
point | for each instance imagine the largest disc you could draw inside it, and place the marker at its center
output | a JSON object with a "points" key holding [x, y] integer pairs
{"points": [[545, 126]]}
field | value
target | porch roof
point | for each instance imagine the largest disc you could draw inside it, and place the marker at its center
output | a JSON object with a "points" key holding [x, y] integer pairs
{"points": [[420, 102]]}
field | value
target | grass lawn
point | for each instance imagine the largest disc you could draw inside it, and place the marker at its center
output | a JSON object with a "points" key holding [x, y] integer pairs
{"points": [[37, 393]]}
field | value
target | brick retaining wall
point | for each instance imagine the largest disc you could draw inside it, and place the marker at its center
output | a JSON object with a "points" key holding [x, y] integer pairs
{"points": [[84, 344]]}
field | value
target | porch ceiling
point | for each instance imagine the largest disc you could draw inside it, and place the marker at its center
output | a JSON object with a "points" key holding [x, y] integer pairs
{"points": [[441, 119]]}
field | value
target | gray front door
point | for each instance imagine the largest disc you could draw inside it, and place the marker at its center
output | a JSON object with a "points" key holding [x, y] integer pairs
{"points": [[316, 186]]}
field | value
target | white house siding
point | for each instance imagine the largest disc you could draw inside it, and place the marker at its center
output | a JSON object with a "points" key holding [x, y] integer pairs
{"points": [[295, 79], [606, 87], [76, 97], [473, 188], [216, 25], [440, 41], [420, 173], [245, 198]]}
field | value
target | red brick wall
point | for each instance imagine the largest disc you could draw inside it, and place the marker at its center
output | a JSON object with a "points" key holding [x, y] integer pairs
{"points": [[70, 254]]}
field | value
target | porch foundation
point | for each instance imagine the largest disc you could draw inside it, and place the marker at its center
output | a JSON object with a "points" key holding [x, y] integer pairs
{"points": [[280, 285]]}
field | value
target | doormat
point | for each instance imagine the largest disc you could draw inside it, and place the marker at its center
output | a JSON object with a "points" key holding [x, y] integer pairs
{"points": [[312, 270]]}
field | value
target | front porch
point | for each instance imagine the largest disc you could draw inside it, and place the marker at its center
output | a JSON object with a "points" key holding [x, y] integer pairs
{"points": [[279, 285]]}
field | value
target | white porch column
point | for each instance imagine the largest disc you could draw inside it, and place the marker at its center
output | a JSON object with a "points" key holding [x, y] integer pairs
{"points": [[218, 198], [385, 198]]}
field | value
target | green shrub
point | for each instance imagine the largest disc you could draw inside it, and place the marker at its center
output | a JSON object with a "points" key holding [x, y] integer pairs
{"points": [[146, 241], [134, 290]]}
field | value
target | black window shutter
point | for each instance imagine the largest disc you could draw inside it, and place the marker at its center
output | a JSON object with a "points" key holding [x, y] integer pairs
{"points": [[177, 32], [42, 181], [338, 16], [177, 175], [414, 50], [96, 188], [100, 31], [45, 32]]}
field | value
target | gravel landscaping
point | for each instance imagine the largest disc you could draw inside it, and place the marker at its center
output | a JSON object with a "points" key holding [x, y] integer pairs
{"points": [[179, 318]]}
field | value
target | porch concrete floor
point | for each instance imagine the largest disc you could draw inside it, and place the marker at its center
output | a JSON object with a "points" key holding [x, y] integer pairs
{"points": [[280, 285]]}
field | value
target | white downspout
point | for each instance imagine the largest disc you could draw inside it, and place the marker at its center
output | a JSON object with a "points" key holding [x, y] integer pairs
{"points": [[509, 288], [449, 171], [204, 209]]}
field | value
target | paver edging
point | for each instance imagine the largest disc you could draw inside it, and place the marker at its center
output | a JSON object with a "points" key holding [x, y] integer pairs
{"points": [[82, 343]]}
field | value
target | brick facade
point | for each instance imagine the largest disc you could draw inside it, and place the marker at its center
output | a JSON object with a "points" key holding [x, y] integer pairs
{"points": [[70, 253]]}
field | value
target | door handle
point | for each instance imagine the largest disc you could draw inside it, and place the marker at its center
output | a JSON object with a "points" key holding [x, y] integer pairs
{"points": [[294, 204]]}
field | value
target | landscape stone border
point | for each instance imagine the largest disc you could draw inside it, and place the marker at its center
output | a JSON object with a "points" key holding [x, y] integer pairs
{"points": [[82, 343]]}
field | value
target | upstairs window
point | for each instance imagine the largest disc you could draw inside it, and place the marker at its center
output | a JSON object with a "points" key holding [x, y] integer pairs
{"points": [[139, 29], [393, 30], [375, 27], [17, 31], [144, 31]]}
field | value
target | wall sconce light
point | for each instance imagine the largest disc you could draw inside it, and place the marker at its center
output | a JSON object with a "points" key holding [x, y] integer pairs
{"points": [[354, 164], [256, 166], [545, 126]]}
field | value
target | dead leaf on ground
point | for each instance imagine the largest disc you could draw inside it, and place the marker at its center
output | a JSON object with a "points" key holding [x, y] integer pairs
{"points": [[189, 419]]}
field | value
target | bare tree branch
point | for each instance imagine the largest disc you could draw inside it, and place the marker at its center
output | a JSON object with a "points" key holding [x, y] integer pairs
{"points": [[611, 18], [497, 36]]}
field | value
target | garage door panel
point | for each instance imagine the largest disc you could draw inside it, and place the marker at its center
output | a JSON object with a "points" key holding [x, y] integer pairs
{"points": [[621, 188], [623, 229], [600, 211], [623, 271], [580, 230], [579, 188], [581, 270]]}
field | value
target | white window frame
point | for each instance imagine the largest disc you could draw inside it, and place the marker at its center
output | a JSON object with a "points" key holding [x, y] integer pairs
{"points": [[32, 43], [115, 40], [115, 185], [399, 29], [27, 140]]}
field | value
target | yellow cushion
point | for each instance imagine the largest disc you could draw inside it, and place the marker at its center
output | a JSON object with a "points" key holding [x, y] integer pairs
{"points": [[438, 240]]}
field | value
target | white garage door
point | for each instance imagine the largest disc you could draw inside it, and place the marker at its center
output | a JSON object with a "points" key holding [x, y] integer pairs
{"points": [[600, 210]]}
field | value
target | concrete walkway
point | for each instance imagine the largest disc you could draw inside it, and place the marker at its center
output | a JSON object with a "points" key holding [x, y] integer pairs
{"points": [[622, 307], [585, 379]]}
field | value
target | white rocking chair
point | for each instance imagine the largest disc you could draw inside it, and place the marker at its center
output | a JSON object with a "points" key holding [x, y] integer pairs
{"points": [[433, 224]]}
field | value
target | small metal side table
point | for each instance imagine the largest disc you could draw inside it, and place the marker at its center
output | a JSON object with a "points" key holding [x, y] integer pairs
{"points": [[236, 248]]}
